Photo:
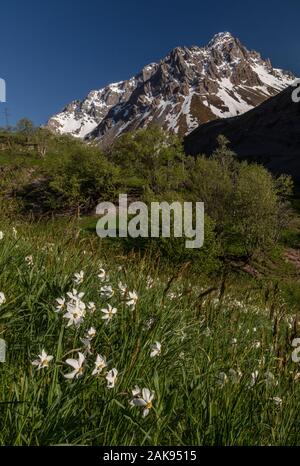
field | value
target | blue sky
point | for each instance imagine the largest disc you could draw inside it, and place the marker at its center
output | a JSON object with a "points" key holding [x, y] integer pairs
{"points": [[55, 51]]}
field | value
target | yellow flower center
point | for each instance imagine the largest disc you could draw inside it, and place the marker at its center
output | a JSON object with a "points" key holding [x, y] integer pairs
{"points": [[149, 405]]}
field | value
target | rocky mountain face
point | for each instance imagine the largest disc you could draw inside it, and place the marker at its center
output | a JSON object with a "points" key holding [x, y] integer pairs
{"points": [[190, 86], [268, 134]]}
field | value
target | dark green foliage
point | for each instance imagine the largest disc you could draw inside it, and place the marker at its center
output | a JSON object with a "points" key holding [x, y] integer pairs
{"points": [[76, 183], [246, 205], [152, 158]]}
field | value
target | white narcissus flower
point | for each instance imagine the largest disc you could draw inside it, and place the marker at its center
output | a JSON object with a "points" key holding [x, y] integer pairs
{"points": [[75, 313], [235, 375], [277, 401], [78, 303], [42, 361], [101, 275], [149, 323], [221, 379], [123, 289], [155, 349], [78, 277], [109, 312], [61, 302], [77, 365], [2, 298], [106, 291], [145, 401], [29, 261], [297, 377], [74, 295], [100, 364], [131, 299], [1, 235], [91, 333], [91, 307], [254, 378], [149, 282], [111, 378], [48, 247]]}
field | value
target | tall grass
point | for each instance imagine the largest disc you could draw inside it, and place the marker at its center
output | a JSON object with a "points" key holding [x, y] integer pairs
{"points": [[206, 389]]}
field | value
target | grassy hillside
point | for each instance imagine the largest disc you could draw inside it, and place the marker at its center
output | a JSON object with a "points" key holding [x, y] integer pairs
{"points": [[211, 386], [208, 332]]}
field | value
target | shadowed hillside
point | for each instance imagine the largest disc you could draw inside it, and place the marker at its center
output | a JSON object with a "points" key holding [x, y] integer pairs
{"points": [[269, 134]]}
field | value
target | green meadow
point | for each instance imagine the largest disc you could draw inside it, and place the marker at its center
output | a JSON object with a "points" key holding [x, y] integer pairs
{"points": [[122, 342]]}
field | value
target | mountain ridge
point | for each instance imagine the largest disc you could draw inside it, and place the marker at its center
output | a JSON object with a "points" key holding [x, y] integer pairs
{"points": [[188, 87]]}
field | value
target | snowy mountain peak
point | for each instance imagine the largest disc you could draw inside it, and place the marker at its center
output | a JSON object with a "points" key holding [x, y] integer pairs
{"points": [[190, 86], [220, 39]]}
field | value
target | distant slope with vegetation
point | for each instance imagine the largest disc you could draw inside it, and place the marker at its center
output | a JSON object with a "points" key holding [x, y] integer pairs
{"points": [[268, 134], [247, 209]]}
